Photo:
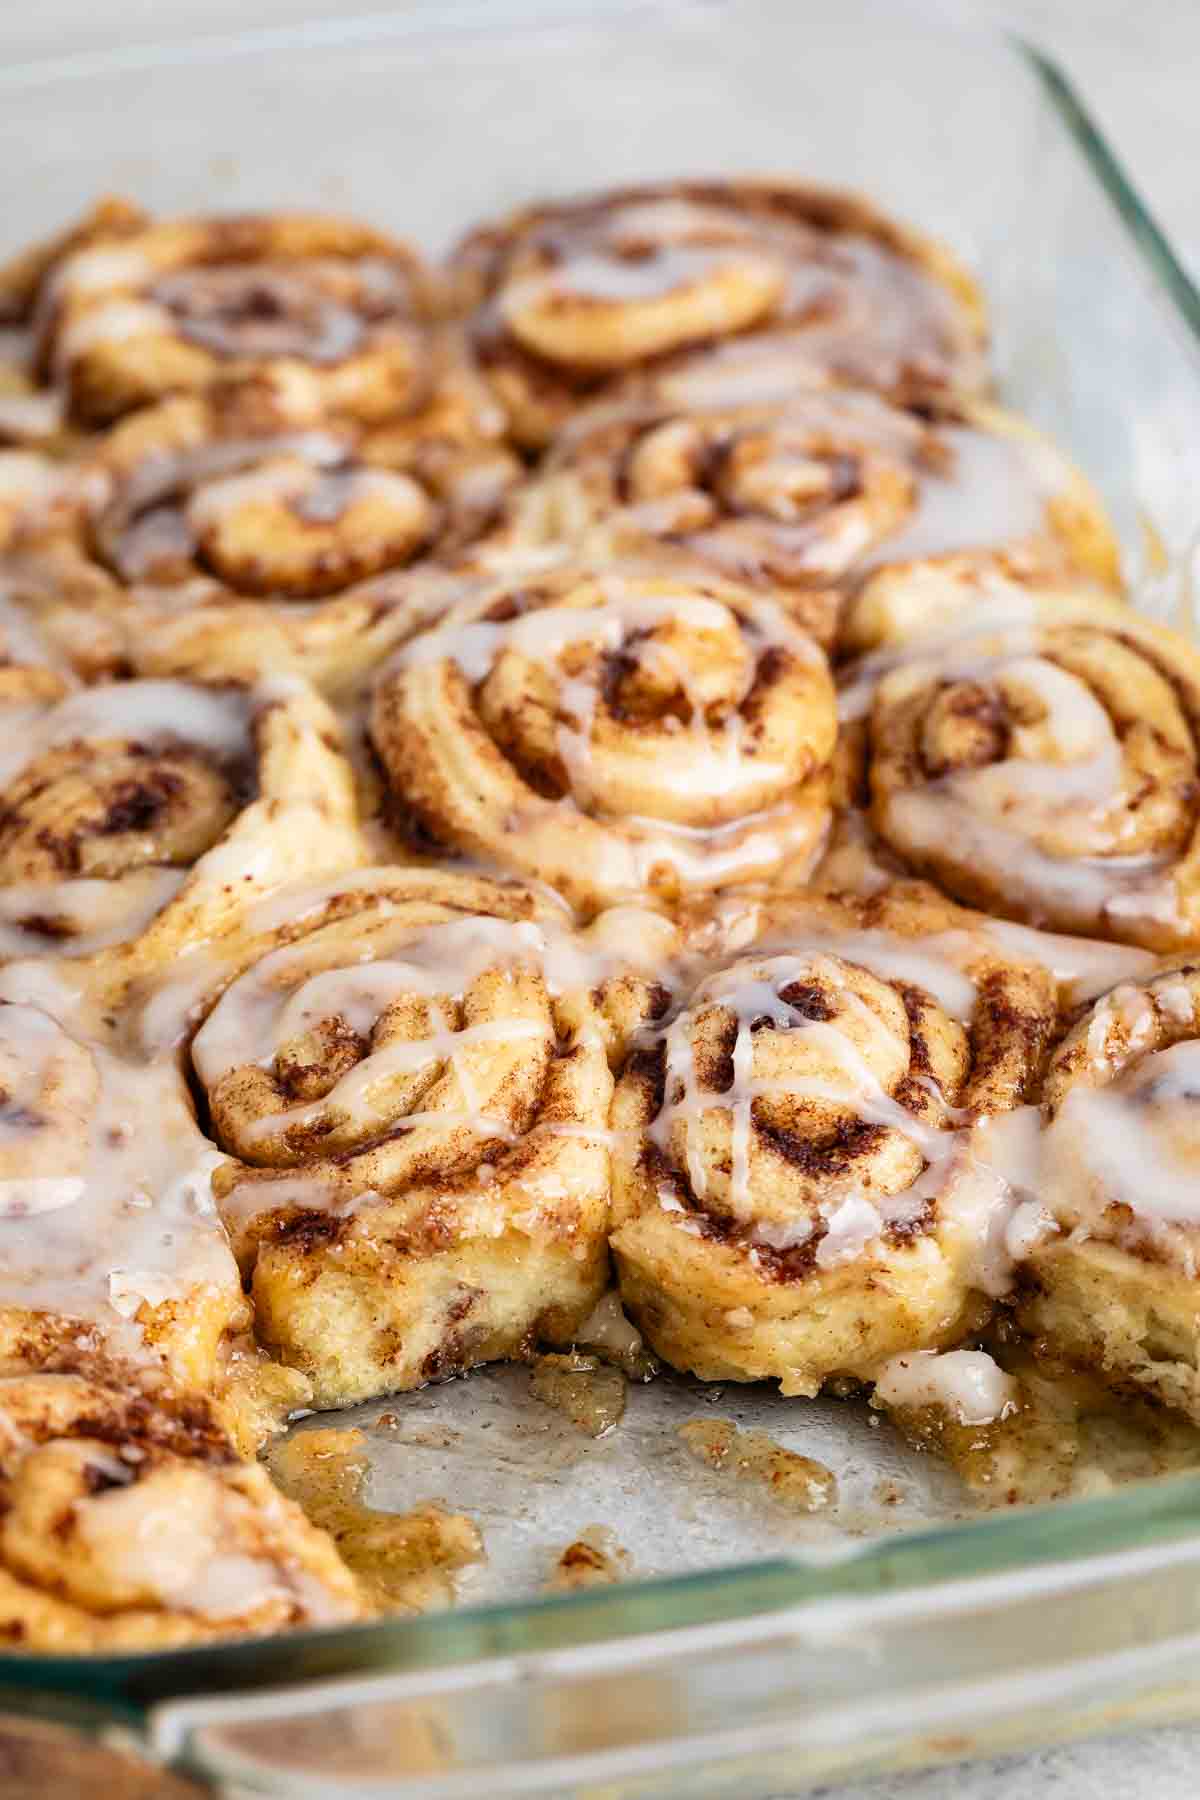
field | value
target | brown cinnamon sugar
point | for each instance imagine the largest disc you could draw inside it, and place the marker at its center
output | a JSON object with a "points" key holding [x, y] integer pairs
{"points": [[593, 1559], [798, 1482]]}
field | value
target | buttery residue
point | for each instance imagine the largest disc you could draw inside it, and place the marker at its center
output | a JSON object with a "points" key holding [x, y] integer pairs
{"points": [[593, 1559], [588, 1392], [426, 1437], [1068, 1435], [798, 1482], [406, 1562], [260, 1395]]}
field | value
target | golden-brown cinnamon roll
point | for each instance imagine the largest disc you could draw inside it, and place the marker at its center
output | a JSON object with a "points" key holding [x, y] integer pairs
{"points": [[797, 1190], [415, 1092], [1037, 757], [33, 416], [237, 529], [337, 308], [613, 733], [1111, 1280], [146, 815], [124, 1527], [782, 286], [189, 490], [803, 496]]}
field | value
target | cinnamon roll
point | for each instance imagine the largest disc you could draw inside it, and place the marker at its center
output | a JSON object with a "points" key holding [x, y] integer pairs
{"points": [[1110, 1281], [54, 610], [798, 1191], [33, 416], [124, 1527], [813, 494], [414, 1094], [236, 530], [613, 733], [1037, 757], [142, 817], [338, 309], [712, 294]]}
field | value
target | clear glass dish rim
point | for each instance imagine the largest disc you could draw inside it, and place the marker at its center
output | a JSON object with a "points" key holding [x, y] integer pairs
{"points": [[94, 1692]]}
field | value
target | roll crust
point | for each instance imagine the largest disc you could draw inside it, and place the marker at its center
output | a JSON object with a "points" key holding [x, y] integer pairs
{"points": [[1037, 760], [129, 1528], [142, 818], [416, 1094], [794, 1197], [810, 497], [612, 733], [684, 290], [183, 303], [1113, 1286]]}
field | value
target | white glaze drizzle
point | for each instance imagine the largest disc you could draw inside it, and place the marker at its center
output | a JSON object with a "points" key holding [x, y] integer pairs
{"points": [[113, 294], [1129, 1139], [109, 1200], [993, 493], [972, 489], [30, 418], [848, 304], [991, 814], [710, 760], [591, 276], [146, 712], [982, 1174], [83, 915], [969, 1385], [184, 1548]]}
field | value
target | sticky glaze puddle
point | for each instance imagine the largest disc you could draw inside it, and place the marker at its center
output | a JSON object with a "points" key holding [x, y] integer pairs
{"points": [[683, 1481]]}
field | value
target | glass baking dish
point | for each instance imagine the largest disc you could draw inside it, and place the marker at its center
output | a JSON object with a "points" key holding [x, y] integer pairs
{"points": [[724, 1674]]}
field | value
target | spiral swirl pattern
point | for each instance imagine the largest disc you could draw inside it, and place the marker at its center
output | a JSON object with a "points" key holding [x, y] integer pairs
{"points": [[127, 809], [1040, 762], [440, 872], [416, 1092], [814, 494], [796, 1194], [612, 734], [125, 1528], [568, 300], [333, 305], [241, 529]]}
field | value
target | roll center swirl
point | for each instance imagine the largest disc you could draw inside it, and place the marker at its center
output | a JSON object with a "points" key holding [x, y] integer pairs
{"points": [[794, 1084], [260, 312], [439, 1043]]}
